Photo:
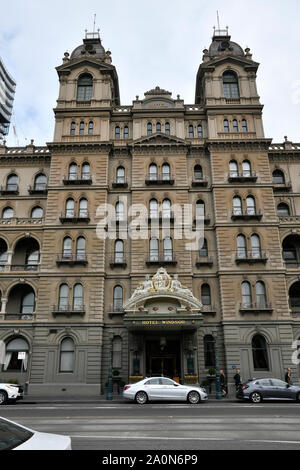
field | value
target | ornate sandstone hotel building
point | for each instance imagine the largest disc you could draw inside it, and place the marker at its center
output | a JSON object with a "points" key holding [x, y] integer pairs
{"points": [[69, 294]]}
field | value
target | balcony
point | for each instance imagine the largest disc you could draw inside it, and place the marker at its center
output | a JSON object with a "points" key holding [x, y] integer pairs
{"points": [[115, 310], [72, 218], [151, 180], [204, 261], [200, 182], [21, 221], [71, 259], [77, 181], [68, 310], [12, 189], [209, 310], [251, 257], [282, 187], [248, 214], [161, 260], [199, 218], [167, 216], [120, 183], [18, 316], [256, 308], [248, 176], [25, 267], [118, 262], [38, 189]]}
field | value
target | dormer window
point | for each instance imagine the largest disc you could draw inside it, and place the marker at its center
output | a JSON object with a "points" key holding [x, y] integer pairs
{"points": [[85, 88], [230, 85]]}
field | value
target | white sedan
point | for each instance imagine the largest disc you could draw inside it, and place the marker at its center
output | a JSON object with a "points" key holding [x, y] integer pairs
{"points": [[8, 392], [162, 388], [13, 436]]}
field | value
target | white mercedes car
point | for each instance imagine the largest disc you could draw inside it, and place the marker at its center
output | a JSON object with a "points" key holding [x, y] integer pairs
{"points": [[13, 436], [8, 393], [162, 388]]}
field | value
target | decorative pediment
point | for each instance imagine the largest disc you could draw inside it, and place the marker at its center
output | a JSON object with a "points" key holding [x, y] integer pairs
{"points": [[65, 69], [159, 138]]}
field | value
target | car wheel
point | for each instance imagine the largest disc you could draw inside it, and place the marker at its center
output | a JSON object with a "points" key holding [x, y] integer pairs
{"points": [[141, 398], [256, 397], [193, 398], [298, 397], [3, 397]]}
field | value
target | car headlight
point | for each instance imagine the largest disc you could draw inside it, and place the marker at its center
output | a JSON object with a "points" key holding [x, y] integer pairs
{"points": [[12, 388], [202, 389]]}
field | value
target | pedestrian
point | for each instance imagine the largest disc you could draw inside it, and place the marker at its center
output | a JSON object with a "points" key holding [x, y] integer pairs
{"points": [[288, 376], [223, 383], [237, 379]]}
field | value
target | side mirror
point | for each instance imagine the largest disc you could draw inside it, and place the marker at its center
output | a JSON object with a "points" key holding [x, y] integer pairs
{"points": [[176, 385], [287, 385]]}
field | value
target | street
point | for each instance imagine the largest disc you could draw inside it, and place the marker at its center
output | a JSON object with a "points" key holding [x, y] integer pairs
{"points": [[120, 426]]}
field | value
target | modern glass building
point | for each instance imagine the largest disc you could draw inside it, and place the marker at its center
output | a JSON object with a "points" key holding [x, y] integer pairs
{"points": [[7, 93]]}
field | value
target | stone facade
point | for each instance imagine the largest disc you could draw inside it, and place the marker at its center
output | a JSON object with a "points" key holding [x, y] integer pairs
{"points": [[64, 289]]}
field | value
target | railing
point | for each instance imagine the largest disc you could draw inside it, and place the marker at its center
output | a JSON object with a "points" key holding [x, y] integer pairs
{"points": [[204, 217], [71, 259], [116, 262], [18, 316], [251, 256], [22, 221], [159, 180], [120, 182], [246, 214], [24, 267], [264, 307], [201, 181], [73, 218], [116, 309], [38, 189], [157, 259], [76, 180], [209, 309], [10, 189], [204, 260], [68, 310], [167, 215], [242, 177], [286, 186]]}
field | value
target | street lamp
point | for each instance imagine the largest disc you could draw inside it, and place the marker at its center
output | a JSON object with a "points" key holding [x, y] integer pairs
{"points": [[109, 395], [218, 385]]}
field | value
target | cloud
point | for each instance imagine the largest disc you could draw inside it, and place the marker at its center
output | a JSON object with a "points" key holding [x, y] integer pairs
{"points": [[157, 43]]}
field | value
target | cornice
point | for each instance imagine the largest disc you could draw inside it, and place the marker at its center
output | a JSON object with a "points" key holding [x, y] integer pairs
{"points": [[79, 147], [239, 145]]}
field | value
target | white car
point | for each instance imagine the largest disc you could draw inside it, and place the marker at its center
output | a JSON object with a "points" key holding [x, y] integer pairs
{"points": [[13, 436], [162, 388], [8, 393]]}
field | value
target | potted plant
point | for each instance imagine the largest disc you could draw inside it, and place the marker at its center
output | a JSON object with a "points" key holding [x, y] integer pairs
{"points": [[212, 371]]}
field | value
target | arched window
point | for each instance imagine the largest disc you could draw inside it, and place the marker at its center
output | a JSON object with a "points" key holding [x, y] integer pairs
{"points": [[166, 209], [198, 173], [261, 299], [153, 209], [37, 213], [63, 300], [246, 168], [85, 171], [199, 131], [209, 351], [83, 208], [149, 128], [32, 258], [12, 183], [167, 128], [81, 128], [235, 125], [78, 297], [241, 246], [126, 132], [73, 128], [233, 169], [85, 88], [278, 177], [153, 249], [12, 361], [40, 182], [283, 209], [226, 126], [230, 85], [73, 171], [117, 352], [244, 125], [70, 207], [260, 353], [7, 213], [200, 209], [67, 356], [91, 128], [289, 248], [203, 250], [158, 127], [153, 172], [118, 298], [119, 211], [168, 249], [3, 253], [67, 248], [191, 131], [246, 294], [205, 294], [80, 248], [28, 303], [294, 296], [117, 132], [166, 173], [119, 251], [255, 246], [120, 175], [250, 204]]}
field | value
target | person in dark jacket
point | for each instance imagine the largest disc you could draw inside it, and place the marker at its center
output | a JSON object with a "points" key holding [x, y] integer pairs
{"points": [[237, 379], [223, 383], [288, 376]]}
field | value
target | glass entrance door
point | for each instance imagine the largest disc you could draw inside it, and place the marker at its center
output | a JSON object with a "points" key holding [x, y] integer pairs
{"points": [[163, 358]]}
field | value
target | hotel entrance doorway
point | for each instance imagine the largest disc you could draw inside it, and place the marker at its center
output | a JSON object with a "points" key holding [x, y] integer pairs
{"points": [[163, 358]]}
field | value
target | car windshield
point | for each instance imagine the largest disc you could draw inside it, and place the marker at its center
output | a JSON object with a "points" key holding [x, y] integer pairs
{"points": [[12, 435]]}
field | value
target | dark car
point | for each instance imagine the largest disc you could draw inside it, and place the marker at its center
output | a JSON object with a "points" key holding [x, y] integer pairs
{"points": [[257, 390]]}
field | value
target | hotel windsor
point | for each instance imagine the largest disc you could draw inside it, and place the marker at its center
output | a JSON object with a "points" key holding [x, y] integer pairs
{"points": [[81, 294]]}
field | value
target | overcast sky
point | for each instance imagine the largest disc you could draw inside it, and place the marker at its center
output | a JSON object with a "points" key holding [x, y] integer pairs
{"points": [[152, 43]]}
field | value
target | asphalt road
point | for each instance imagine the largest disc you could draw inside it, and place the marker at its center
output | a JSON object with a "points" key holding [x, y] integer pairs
{"points": [[215, 425]]}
